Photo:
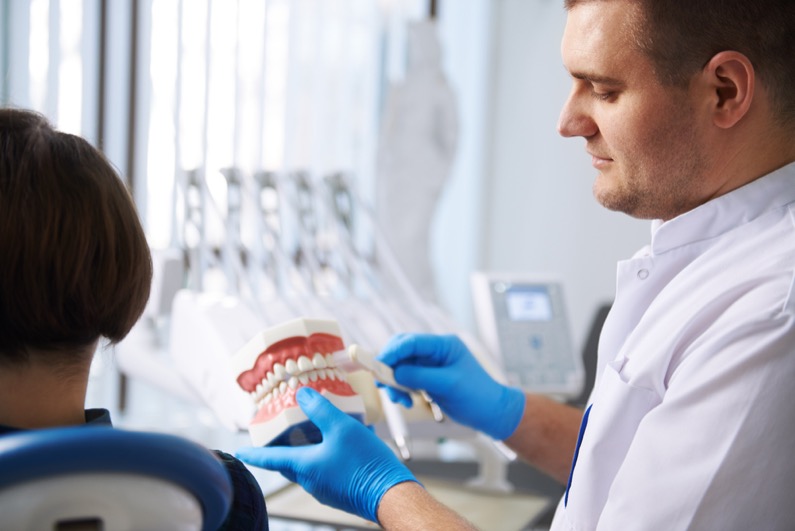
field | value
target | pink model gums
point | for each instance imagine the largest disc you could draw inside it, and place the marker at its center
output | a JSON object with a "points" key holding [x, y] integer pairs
{"points": [[276, 363]]}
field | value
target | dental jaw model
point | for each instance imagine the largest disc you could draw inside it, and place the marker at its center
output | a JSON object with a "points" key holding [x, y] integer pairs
{"points": [[273, 365]]}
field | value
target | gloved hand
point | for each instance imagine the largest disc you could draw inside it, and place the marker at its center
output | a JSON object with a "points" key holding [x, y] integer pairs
{"points": [[351, 469], [450, 374]]}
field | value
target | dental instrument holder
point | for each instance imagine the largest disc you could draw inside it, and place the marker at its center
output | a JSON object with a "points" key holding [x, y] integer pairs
{"points": [[493, 458]]}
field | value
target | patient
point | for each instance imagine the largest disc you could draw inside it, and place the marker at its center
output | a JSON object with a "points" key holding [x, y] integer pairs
{"points": [[74, 268]]}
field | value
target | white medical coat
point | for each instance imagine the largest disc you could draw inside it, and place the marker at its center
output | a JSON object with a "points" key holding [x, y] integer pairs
{"points": [[692, 424]]}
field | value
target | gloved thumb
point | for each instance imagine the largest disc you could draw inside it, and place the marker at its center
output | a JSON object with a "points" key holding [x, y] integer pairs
{"points": [[318, 409]]}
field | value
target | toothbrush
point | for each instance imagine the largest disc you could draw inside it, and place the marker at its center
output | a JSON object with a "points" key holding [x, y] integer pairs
{"points": [[355, 358]]}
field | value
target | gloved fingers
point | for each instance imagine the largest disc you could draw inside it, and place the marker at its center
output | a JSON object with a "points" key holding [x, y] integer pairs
{"points": [[431, 379], [397, 396], [282, 459], [398, 348], [420, 349]]}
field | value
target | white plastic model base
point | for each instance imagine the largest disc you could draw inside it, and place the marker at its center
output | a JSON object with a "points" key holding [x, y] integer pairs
{"points": [[291, 427], [273, 365]]}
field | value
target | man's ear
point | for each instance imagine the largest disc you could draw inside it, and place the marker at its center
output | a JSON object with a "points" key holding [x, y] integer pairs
{"points": [[731, 78]]}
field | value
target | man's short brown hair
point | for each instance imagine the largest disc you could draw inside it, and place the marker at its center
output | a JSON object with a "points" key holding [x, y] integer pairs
{"points": [[74, 261], [681, 36]]}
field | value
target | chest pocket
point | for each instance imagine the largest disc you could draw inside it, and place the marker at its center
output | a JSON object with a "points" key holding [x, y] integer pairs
{"points": [[618, 408]]}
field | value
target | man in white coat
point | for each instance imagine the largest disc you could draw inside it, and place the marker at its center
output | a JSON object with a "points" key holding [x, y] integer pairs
{"points": [[688, 112]]}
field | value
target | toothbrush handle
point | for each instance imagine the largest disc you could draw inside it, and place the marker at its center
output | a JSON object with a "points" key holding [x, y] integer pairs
{"points": [[382, 372]]}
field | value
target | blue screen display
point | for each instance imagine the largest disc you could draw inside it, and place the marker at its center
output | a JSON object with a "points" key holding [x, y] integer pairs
{"points": [[528, 303]]}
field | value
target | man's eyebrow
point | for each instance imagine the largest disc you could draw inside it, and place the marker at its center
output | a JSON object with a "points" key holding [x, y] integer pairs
{"points": [[595, 78]]}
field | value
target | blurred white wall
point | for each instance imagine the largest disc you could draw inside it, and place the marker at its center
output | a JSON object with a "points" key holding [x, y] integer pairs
{"points": [[465, 28], [520, 198]]}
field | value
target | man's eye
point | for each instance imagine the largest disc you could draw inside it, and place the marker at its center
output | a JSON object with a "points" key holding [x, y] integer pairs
{"points": [[603, 96]]}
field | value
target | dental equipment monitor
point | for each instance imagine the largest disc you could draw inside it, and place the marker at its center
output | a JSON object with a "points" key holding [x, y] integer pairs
{"points": [[522, 320]]}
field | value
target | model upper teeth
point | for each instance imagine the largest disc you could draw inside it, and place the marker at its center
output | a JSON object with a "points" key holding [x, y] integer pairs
{"points": [[304, 364], [295, 372]]}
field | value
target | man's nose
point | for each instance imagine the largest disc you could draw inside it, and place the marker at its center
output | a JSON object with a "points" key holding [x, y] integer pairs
{"points": [[575, 118]]}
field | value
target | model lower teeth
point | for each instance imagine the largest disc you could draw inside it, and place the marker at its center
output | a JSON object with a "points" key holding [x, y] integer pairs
{"points": [[294, 373]]}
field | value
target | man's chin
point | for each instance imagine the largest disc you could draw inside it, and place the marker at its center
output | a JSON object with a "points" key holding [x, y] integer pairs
{"points": [[615, 199]]}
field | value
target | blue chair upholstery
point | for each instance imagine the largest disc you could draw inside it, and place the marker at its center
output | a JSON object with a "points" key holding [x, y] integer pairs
{"points": [[65, 478]]}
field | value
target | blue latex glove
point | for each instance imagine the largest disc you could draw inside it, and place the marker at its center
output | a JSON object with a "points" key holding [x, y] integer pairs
{"points": [[351, 469], [450, 374]]}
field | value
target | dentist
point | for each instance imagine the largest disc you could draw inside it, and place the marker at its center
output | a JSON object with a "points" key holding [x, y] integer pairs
{"points": [[688, 112]]}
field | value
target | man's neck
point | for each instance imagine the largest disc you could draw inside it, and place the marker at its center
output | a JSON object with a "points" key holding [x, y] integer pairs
{"points": [[753, 149]]}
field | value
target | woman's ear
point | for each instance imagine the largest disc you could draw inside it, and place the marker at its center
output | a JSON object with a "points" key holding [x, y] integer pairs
{"points": [[730, 78]]}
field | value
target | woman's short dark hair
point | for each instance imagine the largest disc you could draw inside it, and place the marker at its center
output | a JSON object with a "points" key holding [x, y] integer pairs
{"points": [[681, 36], [75, 265]]}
